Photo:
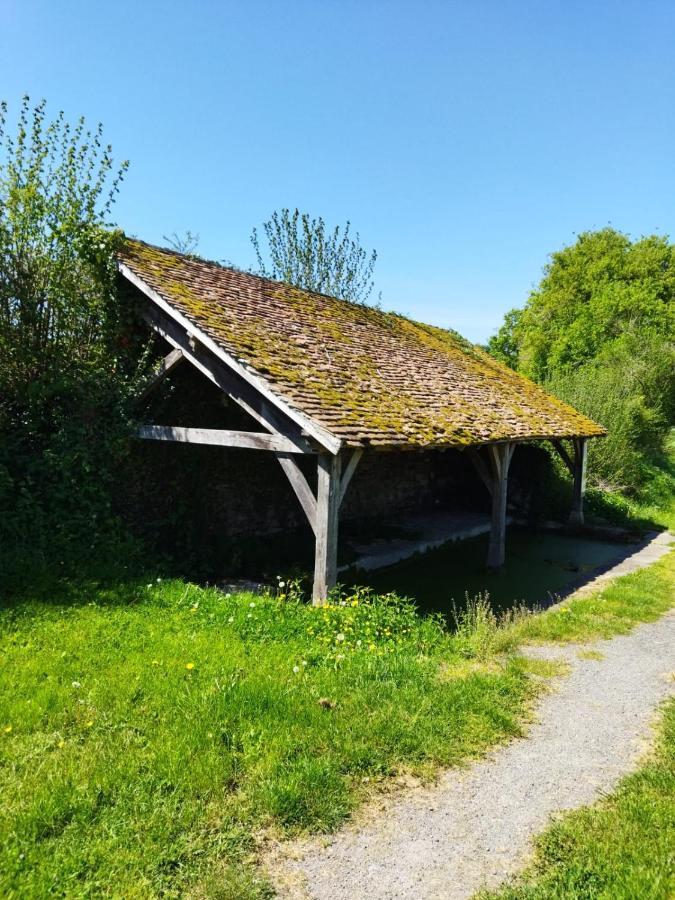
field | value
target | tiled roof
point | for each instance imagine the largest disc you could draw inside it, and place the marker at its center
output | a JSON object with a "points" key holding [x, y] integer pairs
{"points": [[366, 376]]}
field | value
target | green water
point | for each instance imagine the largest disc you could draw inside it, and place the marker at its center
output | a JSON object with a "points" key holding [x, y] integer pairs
{"points": [[539, 566]]}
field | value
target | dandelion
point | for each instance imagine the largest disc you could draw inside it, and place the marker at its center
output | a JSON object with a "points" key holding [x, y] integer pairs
{"points": [[159, 581], [227, 596], [282, 584], [231, 619], [189, 666], [148, 586], [304, 662], [339, 637], [61, 744], [90, 723], [8, 729], [296, 669], [252, 605], [249, 616], [76, 684], [155, 662]]}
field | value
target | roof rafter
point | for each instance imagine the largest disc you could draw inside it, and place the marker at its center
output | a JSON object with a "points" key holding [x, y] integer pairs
{"points": [[327, 440]]}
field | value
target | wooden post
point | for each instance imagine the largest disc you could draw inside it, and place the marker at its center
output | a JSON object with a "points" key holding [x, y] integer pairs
{"points": [[579, 473], [500, 455], [326, 531]]}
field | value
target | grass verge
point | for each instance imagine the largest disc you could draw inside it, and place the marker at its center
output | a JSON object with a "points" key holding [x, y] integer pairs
{"points": [[620, 848], [149, 730]]}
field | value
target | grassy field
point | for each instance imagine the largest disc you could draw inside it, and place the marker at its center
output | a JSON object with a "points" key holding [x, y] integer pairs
{"points": [[151, 730], [622, 848]]}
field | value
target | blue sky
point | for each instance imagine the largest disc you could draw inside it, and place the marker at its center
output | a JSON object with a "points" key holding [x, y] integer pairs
{"points": [[465, 140]]}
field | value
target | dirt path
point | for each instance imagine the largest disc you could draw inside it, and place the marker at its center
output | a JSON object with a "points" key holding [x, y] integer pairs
{"points": [[473, 828]]}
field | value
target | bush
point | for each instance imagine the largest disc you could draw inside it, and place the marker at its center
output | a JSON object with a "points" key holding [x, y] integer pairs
{"points": [[630, 391], [65, 373]]}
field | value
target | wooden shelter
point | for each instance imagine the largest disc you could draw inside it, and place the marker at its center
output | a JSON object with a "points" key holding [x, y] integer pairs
{"points": [[333, 379]]}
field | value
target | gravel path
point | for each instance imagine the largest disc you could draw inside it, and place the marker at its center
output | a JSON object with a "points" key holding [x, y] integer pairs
{"points": [[473, 828]]}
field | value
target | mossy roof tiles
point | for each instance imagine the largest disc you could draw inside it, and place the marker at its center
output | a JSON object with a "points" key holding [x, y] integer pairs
{"points": [[366, 376]]}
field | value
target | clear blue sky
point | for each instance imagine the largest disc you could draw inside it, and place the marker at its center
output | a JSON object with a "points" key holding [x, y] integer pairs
{"points": [[464, 140]]}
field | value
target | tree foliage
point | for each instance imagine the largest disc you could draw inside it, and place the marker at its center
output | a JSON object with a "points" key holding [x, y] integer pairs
{"points": [[57, 267], [594, 293], [599, 332], [62, 363], [303, 252]]}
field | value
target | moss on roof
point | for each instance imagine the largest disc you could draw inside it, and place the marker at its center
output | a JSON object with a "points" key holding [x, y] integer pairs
{"points": [[367, 376]]}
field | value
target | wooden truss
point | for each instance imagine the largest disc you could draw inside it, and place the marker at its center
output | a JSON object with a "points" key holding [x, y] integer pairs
{"points": [[285, 436]]}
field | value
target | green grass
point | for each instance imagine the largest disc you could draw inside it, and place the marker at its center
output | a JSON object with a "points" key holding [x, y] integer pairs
{"points": [[148, 732], [622, 848], [151, 731]]}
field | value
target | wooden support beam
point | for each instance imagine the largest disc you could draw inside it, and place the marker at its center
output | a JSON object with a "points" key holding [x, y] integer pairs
{"points": [[350, 468], [564, 455], [158, 304], [326, 532], [300, 486], [579, 488], [500, 455], [481, 468], [228, 381], [251, 440], [170, 361]]}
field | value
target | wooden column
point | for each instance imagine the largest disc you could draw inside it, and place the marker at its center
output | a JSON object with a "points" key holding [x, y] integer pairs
{"points": [[579, 475], [500, 455], [326, 530]]}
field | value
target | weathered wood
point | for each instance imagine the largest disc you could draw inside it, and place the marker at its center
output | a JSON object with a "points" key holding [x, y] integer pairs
{"points": [[579, 488], [229, 362], [168, 364], [300, 486], [326, 532], [350, 468], [500, 455], [563, 454], [252, 440], [481, 468], [228, 381]]}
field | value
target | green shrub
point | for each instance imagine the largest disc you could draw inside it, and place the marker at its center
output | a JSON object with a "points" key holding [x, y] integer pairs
{"points": [[66, 372], [628, 389]]}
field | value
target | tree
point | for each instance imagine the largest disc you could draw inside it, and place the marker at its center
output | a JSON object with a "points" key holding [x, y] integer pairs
{"points": [[594, 293], [303, 252], [504, 344], [57, 250], [599, 332], [64, 372], [186, 243]]}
